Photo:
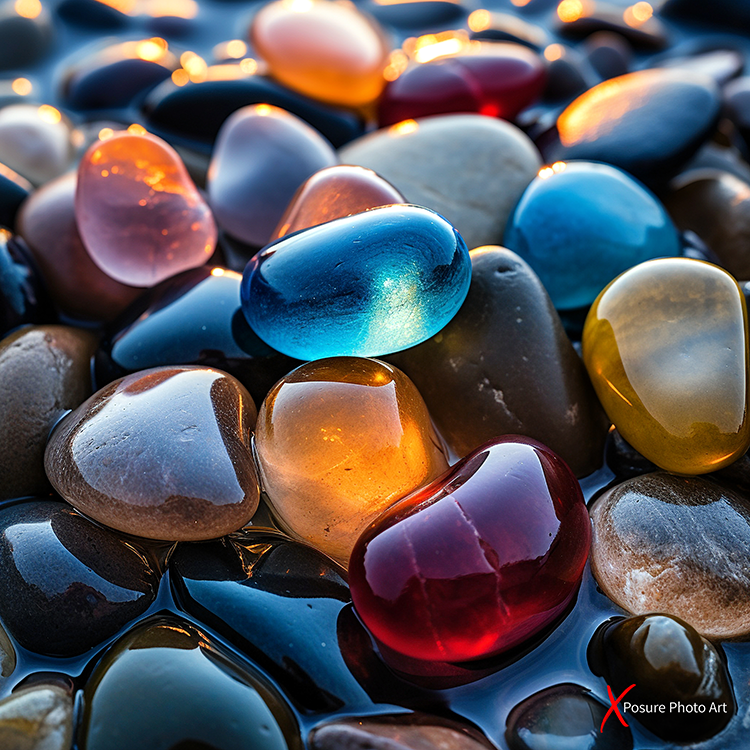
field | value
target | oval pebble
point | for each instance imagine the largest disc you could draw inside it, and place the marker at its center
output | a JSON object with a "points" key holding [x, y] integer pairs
{"points": [[37, 718]]}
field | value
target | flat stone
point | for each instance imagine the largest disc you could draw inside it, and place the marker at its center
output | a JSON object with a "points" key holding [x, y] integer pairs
{"points": [[106, 458], [469, 168], [37, 718]]}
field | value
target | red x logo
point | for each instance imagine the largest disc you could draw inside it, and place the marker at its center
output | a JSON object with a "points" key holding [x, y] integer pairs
{"points": [[613, 707]]}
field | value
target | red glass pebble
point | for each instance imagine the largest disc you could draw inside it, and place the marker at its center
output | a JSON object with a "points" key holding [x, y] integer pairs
{"points": [[477, 561], [498, 79]]}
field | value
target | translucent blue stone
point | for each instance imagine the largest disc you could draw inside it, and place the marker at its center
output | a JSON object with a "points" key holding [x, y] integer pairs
{"points": [[581, 224], [365, 285]]}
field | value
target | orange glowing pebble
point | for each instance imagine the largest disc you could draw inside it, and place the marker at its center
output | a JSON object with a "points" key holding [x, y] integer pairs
{"points": [[328, 51], [338, 441], [139, 214]]}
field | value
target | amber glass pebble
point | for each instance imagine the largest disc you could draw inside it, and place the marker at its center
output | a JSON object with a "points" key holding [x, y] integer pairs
{"points": [[329, 51], [338, 441], [140, 216], [666, 347]]}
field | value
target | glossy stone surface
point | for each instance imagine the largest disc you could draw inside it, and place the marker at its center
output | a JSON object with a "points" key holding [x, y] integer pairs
{"points": [[68, 584], [37, 718], [506, 27], [498, 79], [446, 574], [581, 224], [202, 697], [675, 545], [338, 441], [534, 384], [668, 661], [417, 14], [14, 190], [262, 156], [326, 50], [333, 193], [8, 658], [106, 458], [666, 348], [470, 169], [279, 602], [140, 216], [44, 372], [193, 318], [608, 53], [716, 206], [364, 285], [564, 716], [648, 123]]}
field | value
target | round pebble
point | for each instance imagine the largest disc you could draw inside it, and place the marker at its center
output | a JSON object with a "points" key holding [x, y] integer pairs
{"points": [[37, 718]]}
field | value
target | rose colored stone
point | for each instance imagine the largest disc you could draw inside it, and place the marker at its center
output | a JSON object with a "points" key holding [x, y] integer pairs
{"points": [[140, 216]]}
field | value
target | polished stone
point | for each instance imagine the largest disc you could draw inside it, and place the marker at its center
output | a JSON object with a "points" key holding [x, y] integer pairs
{"points": [[68, 584], [534, 384], [338, 441], [469, 168], [140, 216], [44, 372], [581, 224], [262, 156], [416, 14], [107, 458], [479, 560], [666, 348], [675, 545], [364, 285], [37, 718]]}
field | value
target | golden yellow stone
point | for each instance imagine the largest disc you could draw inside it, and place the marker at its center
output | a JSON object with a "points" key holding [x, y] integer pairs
{"points": [[338, 441], [666, 346]]}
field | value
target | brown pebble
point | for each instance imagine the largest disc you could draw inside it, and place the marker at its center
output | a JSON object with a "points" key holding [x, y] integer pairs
{"points": [[37, 718]]}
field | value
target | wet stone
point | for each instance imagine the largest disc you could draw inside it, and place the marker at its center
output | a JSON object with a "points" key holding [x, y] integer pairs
{"points": [[469, 168], [492, 26], [44, 372], [665, 346], [338, 441], [624, 460], [262, 156], [648, 123], [37, 718], [676, 545], [565, 716], [668, 661], [534, 384], [92, 14], [365, 285], [68, 584], [106, 458], [569, 74], [417, 14], [14, 190], [24, 38], [608, 53], [203, 698], [446, 573], [76, 285]]}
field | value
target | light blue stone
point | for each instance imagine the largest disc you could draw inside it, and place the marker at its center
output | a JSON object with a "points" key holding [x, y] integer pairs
{"points": [[581, 224], [365, 285]]}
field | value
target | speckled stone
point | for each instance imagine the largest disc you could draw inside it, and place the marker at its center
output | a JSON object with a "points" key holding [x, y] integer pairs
{"points": [[108, 458], [676, 545], [44, 372], [37, 718], [469, 168]]}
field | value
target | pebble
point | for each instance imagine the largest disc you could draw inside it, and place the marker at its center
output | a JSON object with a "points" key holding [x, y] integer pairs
{"points": [[493, 26], [44, 372], [648, 123], [579, 225], [498, 79], [106, 458], [720, 64], [139, 214], [333, 193], [567, 717], [668, 661], [534, 384], [737, 106], [8, 659], [469, 168], [199, 697], [328, 51], [68, 584], [364, 285], [262, 156], [417, 14], [92, 14], [675, 545], [479, 560], [609, 53], [37, 718], [14, 190], [76, 285], [25, 37], [338, 441], [569, 73], [665, 346]]}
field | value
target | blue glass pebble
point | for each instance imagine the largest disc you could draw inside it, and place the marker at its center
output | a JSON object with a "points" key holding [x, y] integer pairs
{"points": [[581, 224], [364, 285]]}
